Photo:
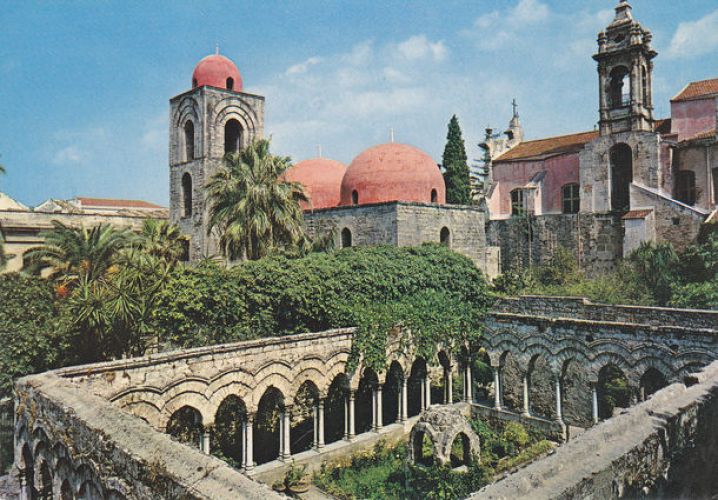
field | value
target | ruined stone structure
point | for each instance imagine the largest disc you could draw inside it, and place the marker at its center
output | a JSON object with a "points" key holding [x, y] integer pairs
{"points": [[549, 354], [652, 180], [443, 425], [551, 351], [214, 118], [666, 447]]}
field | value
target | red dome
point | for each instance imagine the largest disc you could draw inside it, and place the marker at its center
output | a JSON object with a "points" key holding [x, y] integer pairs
{"points": [[393, 172], [322, 180], [216, 71]]}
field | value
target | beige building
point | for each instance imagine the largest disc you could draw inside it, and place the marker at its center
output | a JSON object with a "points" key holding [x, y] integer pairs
{"points": [[21, 227]]}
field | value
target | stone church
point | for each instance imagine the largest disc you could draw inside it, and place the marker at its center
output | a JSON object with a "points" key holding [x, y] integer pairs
{"points": [[599, 193], [602, 193]]}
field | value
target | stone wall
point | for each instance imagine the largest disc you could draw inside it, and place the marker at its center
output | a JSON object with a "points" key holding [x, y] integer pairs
{"points": [[666, 447], [595, 239], [551, 429], [70, 442], [408, 224]]}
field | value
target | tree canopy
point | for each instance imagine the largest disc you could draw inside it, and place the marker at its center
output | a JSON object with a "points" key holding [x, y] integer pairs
{"points": [[457, 176]]}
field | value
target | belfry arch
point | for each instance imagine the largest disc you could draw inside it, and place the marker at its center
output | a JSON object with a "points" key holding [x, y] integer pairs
{"points": [[621, 158]]}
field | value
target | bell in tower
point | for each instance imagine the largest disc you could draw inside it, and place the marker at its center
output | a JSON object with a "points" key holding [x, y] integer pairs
{"points": [[625, 69]]}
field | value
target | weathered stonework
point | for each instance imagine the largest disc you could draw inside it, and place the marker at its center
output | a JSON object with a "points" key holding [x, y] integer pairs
{"points": [[409, 224], [443, 425]]}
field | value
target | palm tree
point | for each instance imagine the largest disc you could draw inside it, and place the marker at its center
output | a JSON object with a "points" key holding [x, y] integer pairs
{"points": [[77, 253], [252, 208], [163, 240]]}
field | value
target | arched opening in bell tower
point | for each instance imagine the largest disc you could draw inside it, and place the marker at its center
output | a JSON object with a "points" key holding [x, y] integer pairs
{"points": [[189, 140], [186, 195], [621, 176], [620, 87], [232, 136]]}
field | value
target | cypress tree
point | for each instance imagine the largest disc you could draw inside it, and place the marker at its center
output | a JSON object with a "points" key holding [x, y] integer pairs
{"points": [[456, 169]]}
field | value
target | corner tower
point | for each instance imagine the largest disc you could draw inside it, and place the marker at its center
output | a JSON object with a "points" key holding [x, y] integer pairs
{"points": [[625, 74], [212, 119]]}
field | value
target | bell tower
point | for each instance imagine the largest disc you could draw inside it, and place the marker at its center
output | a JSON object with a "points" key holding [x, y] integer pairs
{"points": [[625, 74], [212, 119]]}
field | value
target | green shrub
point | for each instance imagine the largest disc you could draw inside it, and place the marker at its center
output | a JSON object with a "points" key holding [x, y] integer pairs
{"points": [[696, 295], [561, 269], [515, 435]]}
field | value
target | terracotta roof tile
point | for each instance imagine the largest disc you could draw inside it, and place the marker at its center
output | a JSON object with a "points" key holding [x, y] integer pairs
{"points": [[663, 126], [697, 90], [551, 146], [637, 214], [107, 202], [706, 134]]}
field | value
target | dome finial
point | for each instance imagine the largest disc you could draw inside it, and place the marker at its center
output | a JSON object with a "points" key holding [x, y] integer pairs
{"points": [[319, 150], [391, 134], [216, 48]]}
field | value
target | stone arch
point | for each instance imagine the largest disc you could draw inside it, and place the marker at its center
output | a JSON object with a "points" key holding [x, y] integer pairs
{"points": [[280, 380], [228, 431], [267, 425], [187, 195], [613, 390], [186, 425], [542, 379], [26, 470], [442, 425], [233, 136], [651, 382], [44, 479], [192, 399], [87, 483], [391, 399], [415, 386], [364, 405], [306, 399], [64, 491], [335, 408], [64, 479], [511, 377], [576, 407], [145, 410], [621, 156], [346, 238]]}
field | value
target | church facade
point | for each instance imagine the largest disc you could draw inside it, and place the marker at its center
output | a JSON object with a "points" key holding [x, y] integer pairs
{"points": [[602, 193]]}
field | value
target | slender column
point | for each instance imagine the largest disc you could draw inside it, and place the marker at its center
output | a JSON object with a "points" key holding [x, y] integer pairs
{"points": [[346, 416], [422, 392], [25, 493], [643, 394], [404, 406], [352, 432], [320, 424], [286, 452], [244, 444], [559, 416], [315, 418], [594, 401], [373, 409], [204, 441], [497, 389], [427, 387], [527, 410], [469, 384], [249, 444], [379, 415], [449, 389]]}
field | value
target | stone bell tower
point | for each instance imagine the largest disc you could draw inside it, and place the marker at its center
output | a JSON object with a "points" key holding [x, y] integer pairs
{"points": [[214, 118], [625, 74]]}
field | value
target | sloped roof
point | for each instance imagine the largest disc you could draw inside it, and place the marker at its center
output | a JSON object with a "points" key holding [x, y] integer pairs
{"points": [[8, 203], [706, 134], [114, 203], [697, 90], [552, 146]]}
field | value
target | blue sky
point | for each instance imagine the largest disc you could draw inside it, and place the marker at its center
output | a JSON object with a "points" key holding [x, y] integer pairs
{"points": [[84, 85]]}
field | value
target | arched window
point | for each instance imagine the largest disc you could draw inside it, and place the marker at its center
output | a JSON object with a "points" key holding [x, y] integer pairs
{"points": [[686, 187], [189, 140], [620, 87], [186, 195], [644, 85], [346, 238], [570, 198], [445, 236], [232, 136], [230, 83], [434, 196], [517, 203], [355, 197], [621, 176]]}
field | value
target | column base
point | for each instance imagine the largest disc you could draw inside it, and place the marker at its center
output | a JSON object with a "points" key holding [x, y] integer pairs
{"points": [[525, 414], [249, 470]]}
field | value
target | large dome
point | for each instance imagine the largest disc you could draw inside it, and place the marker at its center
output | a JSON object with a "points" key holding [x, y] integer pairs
{"points": [[217, 71], [322, 180], [392, 172]]}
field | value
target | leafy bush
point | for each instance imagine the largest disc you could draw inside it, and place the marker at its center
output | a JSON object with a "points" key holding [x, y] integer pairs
{"points": [[656, 267], [561, 269], [696, 295], [515, 436]]}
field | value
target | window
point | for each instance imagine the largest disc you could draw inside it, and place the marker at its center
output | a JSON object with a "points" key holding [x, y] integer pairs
{"points": [[517, 202], [186, 195], [230, 83], [346, 238], [571, 199], [445, 236], [189, 140], [355, 197], [620, 87], [686, 187], [434, 196], [232, 136], [621, 177], [185, 250], [644, 85], [715, 186]]}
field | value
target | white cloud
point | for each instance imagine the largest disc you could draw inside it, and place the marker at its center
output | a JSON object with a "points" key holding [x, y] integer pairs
{"points": [[695, 38], [361, 54], [302, 67], [419, 47], [487, 20], [69, 155], [530, 12]]}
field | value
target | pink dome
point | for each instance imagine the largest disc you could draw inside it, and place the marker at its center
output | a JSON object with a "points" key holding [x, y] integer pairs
{"points": [[392, 172], [217, 71], [322, 180]]}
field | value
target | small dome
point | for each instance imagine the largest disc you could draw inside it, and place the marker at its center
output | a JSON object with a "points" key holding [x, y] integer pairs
{"points": [[392, 172], [322, 180], [217, 71]]}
